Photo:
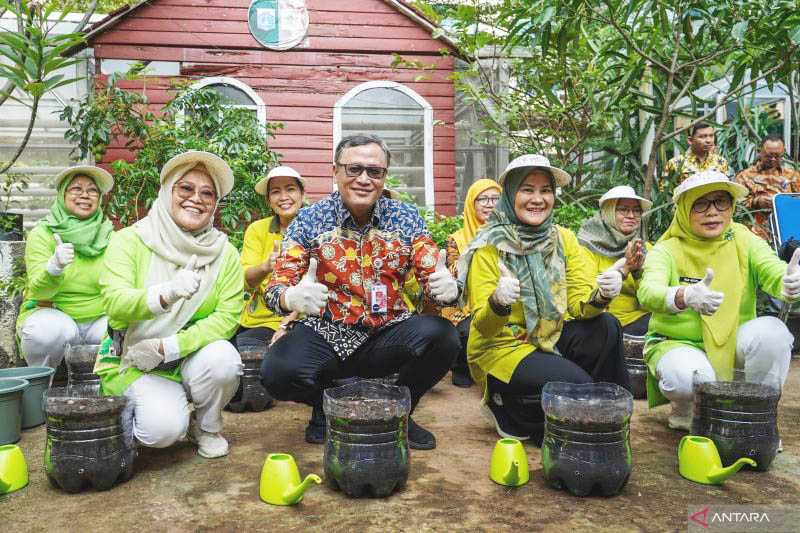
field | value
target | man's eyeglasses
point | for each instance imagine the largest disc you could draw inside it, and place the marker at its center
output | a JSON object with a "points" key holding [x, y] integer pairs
{"points": [[354, 170], [723, 203], [630, 211], [77, 192], [486, 201]]}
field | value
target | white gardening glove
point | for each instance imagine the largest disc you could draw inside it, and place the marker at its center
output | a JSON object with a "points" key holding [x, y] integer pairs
{"points": [[184, 285], [507, 291], [145, 355], [63, 255], [609, 282], [441, 284], [791, 280], [309, 296], [701, 298]]}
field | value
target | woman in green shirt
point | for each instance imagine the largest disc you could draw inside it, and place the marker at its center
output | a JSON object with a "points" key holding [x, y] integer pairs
{"points": [[172, 288], [63, 258], [700, 283]]}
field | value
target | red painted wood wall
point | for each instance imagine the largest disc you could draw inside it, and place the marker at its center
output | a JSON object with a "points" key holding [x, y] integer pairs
{"points": [[348, 42]]}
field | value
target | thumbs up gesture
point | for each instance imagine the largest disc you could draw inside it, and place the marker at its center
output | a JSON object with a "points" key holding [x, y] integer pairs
{"points": [[441, 284], [507, 291], [269, 264], [63, 255], [309, 296], [184, 285], [701, 298], [791, 280]]}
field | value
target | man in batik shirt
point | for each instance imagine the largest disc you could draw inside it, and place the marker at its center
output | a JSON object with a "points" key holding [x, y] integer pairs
{"points": [[768, 177], [700, 156], [343, 264]]}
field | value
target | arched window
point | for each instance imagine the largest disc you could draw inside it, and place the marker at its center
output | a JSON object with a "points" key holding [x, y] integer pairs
{"points": [[237, 93], [404, 120]]}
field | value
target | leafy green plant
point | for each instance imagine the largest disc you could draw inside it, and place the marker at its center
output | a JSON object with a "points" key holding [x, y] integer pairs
{"points": [[441, 226], [14, 285], [571, 215]]}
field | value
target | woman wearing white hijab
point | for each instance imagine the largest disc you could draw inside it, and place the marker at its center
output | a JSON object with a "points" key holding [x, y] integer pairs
{"points": [[173, 289]]}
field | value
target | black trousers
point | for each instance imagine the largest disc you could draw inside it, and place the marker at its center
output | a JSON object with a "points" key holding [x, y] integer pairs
{"points": [[591, 351], [460, 365], [253, 336], [301, 364], [638, 327]]}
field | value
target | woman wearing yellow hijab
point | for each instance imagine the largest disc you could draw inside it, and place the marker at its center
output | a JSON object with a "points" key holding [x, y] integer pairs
{"points": [[482, 196], [700, 282]]}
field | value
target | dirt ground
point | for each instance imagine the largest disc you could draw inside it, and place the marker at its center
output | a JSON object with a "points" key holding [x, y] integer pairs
{"points": [[449, 488]]}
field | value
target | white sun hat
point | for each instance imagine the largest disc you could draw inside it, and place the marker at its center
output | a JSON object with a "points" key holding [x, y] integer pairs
{"points": [[536, 161], [278, 172], [220, 171], [103, 179], [710, 180], [621, 192]]}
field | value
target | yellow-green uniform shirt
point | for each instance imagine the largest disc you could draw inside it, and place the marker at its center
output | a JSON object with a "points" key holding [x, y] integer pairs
{"points": [[259, 243], [76, 292], [625, 306], [124, 293], [498, 343]]}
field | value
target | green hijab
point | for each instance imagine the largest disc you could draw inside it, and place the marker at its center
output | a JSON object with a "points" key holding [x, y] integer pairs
{"points": [[727, 255], [536, 257], [90, 236]]}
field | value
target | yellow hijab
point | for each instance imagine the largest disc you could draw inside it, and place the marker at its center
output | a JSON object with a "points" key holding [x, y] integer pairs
{"points": [[727, 256], [471, 223]]}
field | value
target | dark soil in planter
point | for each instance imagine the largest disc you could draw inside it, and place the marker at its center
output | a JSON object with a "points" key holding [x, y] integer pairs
{"points": [[633, 346], [81, 379], [11, 227], [251, 396], [637, 371]]}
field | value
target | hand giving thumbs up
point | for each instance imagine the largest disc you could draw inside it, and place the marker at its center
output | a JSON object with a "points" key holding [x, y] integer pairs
{"points": [[508, 289], [701, 298], [309, 296]]}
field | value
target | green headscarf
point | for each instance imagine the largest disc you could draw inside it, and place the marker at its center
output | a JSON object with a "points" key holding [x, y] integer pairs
{"points": [[89, 236], [727, 256], [535, 255]]}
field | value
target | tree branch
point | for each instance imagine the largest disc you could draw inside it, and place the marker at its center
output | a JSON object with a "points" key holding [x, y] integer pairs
{"points": [[684, 90], [629, 39], [24, 143], [89, 12]]}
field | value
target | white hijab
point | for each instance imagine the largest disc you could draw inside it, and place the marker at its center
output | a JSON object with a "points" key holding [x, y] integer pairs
{"points": [[172, 248]]}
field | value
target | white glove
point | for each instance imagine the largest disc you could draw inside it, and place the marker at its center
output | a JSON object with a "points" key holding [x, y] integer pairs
{"points": [[507, 291], [701, 298], [145, 354], [791, 280], [63, 255], [441, 284], [609, 282], [184, 285], [308, 296]]}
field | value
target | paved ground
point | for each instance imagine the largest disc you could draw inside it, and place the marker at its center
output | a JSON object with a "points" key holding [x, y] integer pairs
{"points": [[449, 488]]}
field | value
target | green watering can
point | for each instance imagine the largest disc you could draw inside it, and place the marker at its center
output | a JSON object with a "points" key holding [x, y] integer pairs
{"points": [[13, 469], [280, 480], [509, 465], [698, 461]]}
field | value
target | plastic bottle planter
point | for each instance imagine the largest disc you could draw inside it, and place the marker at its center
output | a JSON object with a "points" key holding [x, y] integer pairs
{"points": [[366, 449], [633, 346], [740, 417], [81, 379], [11, 390], [252, 396], [586, 443], [33, 398], [86, 445]]}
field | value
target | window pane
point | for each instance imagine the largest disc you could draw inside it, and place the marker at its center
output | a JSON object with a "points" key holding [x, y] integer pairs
{"points": [[232, 94], [400, 121]]}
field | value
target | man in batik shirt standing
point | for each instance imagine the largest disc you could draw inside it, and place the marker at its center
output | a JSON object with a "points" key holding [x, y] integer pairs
{"points": [[700, 156]]}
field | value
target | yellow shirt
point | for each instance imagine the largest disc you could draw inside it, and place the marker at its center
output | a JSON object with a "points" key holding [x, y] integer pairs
{"points": [[259, 243], [498, 343], [625, 306]]}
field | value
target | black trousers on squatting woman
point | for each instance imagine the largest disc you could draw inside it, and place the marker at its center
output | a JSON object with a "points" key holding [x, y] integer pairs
{"points": [[421, 349], [591, 350]]}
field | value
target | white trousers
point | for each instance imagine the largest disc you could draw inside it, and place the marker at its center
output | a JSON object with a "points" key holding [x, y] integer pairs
{"points": [[46, 332], [160, 409], [763, 350]]}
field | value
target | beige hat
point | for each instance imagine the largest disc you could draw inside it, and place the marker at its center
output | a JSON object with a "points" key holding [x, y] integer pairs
{"points": [[534, 161], [712, 180], [103, 179], [624, 192], [220, 171], [263, 184]]}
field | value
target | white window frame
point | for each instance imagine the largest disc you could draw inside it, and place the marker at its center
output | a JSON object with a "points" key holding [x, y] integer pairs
{"points": [[427, 131], [258, 104]]}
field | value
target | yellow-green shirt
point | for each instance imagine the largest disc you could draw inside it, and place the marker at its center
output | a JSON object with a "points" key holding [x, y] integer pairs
{"points": [[625, 306], [259, 243]]}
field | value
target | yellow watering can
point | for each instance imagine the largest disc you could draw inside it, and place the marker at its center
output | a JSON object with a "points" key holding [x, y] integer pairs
{"points": [[509, 465], [13, 469], [280, 480], [698, 461]]}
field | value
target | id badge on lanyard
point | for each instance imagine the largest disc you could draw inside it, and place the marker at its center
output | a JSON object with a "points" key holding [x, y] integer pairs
{"points": [[378, 293]]}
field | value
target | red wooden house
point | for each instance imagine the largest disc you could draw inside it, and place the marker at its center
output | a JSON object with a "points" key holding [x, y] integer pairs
{"points": [[324, 68]]}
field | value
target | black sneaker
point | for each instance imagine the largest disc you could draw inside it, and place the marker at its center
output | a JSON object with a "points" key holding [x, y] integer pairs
{"points": [[419, 438], [502, 422], [315, 430], [462, 380]]}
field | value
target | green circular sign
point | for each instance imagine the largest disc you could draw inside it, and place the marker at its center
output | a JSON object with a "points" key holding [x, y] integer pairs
{"points": [[278, 24]]}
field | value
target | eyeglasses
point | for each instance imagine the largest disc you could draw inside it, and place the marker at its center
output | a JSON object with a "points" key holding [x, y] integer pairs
{"points": [[354, 170], [630, 211], [723, 203], [77, 192], [486, 201], [186, 190]]}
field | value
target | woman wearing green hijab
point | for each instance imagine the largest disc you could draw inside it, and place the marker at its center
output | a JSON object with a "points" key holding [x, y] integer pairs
{"points": [[700, 282], [525, 277], [63, 258]]}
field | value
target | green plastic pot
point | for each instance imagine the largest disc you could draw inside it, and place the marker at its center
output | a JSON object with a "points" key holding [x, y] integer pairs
{"points": [[11, 390], [33, 398]]}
